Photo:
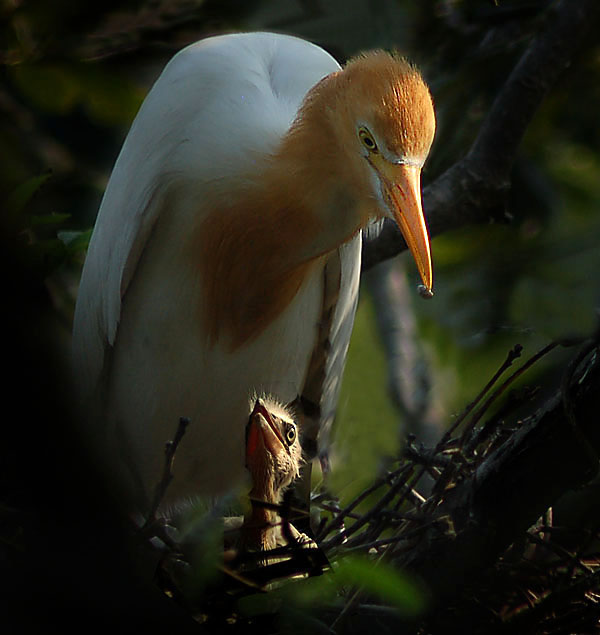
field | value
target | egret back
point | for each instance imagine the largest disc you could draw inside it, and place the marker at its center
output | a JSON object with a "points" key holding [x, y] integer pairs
{"points": [[217, 110], [218, 106]]}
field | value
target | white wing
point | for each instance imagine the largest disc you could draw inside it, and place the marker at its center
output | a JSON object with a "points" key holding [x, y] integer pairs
{"points": [[216, 105], [188, 129], [343, 321]]}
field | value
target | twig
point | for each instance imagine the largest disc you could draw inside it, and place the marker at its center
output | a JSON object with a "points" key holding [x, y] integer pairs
{"points": [[167, 475], [336, 510], [508, 490], [507, 382], [488, 431], [567, 401], [571, 558], [366, 518], [549, 604], [338, 520], [513, 354]]}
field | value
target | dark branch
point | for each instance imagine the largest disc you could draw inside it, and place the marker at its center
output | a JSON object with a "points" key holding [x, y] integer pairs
{"points": [[474, 189], [512, 488], [167, 475]]}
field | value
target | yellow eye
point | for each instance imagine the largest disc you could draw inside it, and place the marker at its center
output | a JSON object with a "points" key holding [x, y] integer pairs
{"points": [[367, 139], [290, 433]]}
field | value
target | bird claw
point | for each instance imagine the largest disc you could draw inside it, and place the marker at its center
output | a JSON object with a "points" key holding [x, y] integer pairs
{"points": [[306, 542], [300, 539]]}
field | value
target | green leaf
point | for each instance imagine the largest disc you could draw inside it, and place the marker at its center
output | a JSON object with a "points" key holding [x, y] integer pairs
{"points": [[57, 88], [49, 219], [23, 193], [384, 581], [51, 87], [75, 240]]}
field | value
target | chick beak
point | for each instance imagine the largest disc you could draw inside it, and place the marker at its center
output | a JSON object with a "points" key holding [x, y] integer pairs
{"points": [[402, 189], [261, 427]]}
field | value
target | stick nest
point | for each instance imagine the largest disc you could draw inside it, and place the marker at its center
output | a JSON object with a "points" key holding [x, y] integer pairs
{"points": [[545, 579]]}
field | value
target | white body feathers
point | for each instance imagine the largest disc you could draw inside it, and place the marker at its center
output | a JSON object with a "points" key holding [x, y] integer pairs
{"points": [[138, 346]]}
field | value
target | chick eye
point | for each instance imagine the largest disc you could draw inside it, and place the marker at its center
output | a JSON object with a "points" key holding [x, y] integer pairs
{"points": [[290, 433], [367, 139]]}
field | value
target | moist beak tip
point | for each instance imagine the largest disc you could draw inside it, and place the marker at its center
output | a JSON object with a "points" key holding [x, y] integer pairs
{"points": [[426, 288], [417, 240], [403, 185]]}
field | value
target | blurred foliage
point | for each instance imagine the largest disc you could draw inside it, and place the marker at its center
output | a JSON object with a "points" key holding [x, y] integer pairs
{"points": [[298, 603], [382, 580], [73, 76]]}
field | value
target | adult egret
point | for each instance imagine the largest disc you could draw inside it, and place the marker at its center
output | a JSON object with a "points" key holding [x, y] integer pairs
{"points": [[226, 253]]}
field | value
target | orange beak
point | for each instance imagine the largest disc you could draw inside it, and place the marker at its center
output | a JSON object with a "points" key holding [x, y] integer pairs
{"points": [[402, 189], [261, 428]]}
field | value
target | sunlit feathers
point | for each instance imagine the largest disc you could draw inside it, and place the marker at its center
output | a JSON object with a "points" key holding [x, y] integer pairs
{"points": [[242, 174], [310, 194]]}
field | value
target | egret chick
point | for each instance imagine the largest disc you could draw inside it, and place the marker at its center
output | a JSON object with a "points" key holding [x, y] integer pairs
{"points": [[273, 458]]}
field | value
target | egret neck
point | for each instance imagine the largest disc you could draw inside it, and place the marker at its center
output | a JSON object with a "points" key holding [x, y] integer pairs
{"points": [[353, 154]]}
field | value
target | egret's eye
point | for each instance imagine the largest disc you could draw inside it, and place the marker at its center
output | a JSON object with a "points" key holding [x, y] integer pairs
{"points": [[367, 139], [290, 433]]}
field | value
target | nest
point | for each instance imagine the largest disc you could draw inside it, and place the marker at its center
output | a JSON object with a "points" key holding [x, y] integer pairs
{"points": [[477, 565]]}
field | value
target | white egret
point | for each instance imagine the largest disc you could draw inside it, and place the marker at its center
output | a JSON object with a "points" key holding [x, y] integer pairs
{"points": [[226, 252]]}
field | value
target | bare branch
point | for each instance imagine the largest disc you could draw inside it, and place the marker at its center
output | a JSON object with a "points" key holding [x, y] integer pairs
{"points": [[511, 489], [167, 475]]}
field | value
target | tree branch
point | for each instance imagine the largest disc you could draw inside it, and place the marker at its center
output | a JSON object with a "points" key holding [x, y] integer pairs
{"points": [[474, 189], [513, 487]]}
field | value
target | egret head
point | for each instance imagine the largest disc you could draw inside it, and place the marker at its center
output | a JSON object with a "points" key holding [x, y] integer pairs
{"points": [[387, 103], [273, 450], [372, 125], [389, 109]]}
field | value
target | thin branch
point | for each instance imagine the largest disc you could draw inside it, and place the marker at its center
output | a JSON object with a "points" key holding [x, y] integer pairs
{"points": [[167, 476], [512, 355], [338, 538], [527, 620], [502, 388], [338, 520], [510, 489]]}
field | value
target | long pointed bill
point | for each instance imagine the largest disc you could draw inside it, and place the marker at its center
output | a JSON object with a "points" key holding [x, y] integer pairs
{"points": [[402, 185]]}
